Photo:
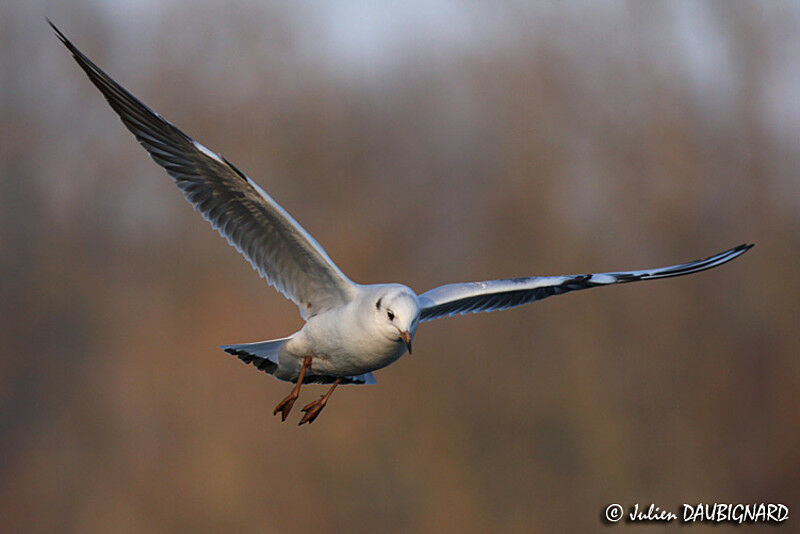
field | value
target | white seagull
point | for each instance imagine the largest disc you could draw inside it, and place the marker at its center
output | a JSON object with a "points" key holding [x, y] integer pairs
{"points": [[350, 329]]}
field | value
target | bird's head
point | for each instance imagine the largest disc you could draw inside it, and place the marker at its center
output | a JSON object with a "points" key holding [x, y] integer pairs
{"points": [[397, 313]]}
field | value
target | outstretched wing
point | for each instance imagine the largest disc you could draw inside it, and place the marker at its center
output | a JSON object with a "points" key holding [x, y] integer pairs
{"points": [[472, 297], [272, 241]]}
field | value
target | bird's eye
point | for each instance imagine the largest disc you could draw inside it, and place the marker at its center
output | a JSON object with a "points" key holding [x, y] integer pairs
{"points": [[390, 315]]}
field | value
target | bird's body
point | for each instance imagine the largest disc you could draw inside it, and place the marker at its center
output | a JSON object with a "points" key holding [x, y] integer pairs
{"points": [[347, 341], [351, 330]]}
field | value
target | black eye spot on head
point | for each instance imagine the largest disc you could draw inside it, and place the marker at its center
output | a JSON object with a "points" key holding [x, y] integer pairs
{"points": [[390, 315], [378, 304]]}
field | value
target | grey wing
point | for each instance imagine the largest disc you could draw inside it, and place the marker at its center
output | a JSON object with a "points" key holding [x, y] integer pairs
{"points": [[278, 248], [472, 297]]}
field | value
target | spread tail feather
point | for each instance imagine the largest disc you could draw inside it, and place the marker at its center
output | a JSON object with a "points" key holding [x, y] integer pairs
{"points": [[264, 355]]}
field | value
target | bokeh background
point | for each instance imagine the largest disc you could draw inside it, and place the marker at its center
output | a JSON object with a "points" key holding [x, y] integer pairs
{"points": [[424, 142]]}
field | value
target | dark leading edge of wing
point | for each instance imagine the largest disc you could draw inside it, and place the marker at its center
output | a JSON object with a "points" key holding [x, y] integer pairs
{"points": [[472, 297], [274, 243]]}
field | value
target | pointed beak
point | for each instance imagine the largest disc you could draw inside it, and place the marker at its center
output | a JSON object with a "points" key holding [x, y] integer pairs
{"points": [[406, 337]]}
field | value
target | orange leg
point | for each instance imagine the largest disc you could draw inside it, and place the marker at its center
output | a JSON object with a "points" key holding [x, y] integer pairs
{"points": [[285, 406], [312, 409]]}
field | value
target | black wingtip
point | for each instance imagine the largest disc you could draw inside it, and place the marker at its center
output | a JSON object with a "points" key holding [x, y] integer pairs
{"points": [[85, 63], [60, 35]]}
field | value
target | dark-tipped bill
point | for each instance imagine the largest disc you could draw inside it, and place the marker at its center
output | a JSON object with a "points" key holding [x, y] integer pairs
{"points": [[406, 337]]}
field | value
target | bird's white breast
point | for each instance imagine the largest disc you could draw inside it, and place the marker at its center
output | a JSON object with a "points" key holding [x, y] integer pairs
{"points": [[344, 342]]}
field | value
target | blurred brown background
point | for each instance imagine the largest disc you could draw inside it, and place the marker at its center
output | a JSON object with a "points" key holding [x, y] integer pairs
{"points": [[422, 142]]}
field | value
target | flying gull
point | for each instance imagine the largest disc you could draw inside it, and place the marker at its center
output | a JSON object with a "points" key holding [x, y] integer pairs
{"points": [[351, 330]]}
